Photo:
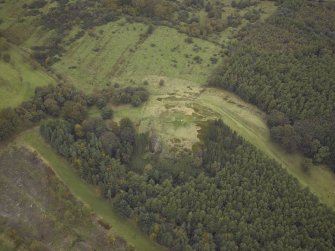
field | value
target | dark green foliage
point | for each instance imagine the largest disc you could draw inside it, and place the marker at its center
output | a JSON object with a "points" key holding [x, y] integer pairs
{"points": [[234, 20], [37, 4], [189, 40], [6, 57], [97, 152], [48, 101], [136, 100], [252, 15], [241, 4], [74, 112], [94, 125], [106, 113], [287, 65], [91, 13], [9, 122], [286, 136], [101, 102], [224, 195], [86, 154], [56, 100], [233, 198], [65, 101], [131, 95], [161, 82], [179, 14], [277, 118]]}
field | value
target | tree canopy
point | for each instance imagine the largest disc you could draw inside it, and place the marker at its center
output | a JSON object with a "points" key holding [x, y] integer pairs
{"points": [[285, 66]]}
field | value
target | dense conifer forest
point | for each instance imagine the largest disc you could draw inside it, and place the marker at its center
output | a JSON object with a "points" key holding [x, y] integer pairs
{"points": [[226, 195], [286, 67]]}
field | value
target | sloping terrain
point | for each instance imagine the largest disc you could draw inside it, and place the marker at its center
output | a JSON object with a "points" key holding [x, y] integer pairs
{"points": [[37, 211], [20, 75]]}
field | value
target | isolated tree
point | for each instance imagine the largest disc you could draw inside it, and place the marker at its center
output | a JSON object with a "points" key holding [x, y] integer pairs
{"points": [[6, 57], [136, 100]]}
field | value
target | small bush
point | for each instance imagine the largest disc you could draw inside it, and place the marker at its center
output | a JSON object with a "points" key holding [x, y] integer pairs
{"points": [[150, 29], [136, 100], [6, 57], [101, 102], [161, 82], [106, 113], [188, 40]]}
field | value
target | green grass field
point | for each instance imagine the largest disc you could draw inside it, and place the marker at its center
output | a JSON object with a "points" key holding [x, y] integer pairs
{"points": [[22, 76], [5, 244], [88, 194], [166, 53], [117, 52], [92, 61]]}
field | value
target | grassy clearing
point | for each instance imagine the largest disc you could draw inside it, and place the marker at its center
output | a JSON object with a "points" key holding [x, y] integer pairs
{"points": [[116, 52], [175, 110], [88, 194], [166, 53], [92, 61], [6, 244], [22, 76], [168, 111]]}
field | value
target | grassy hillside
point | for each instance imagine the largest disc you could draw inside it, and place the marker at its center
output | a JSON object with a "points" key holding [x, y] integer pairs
{"points": [[167, 53], [38, 212], [92, 61], [22, 76], [121, 52]]}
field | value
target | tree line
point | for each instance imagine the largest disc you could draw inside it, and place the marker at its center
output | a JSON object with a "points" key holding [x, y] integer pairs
{"points": [[182, 15], [285, 67], [65, 101]]}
